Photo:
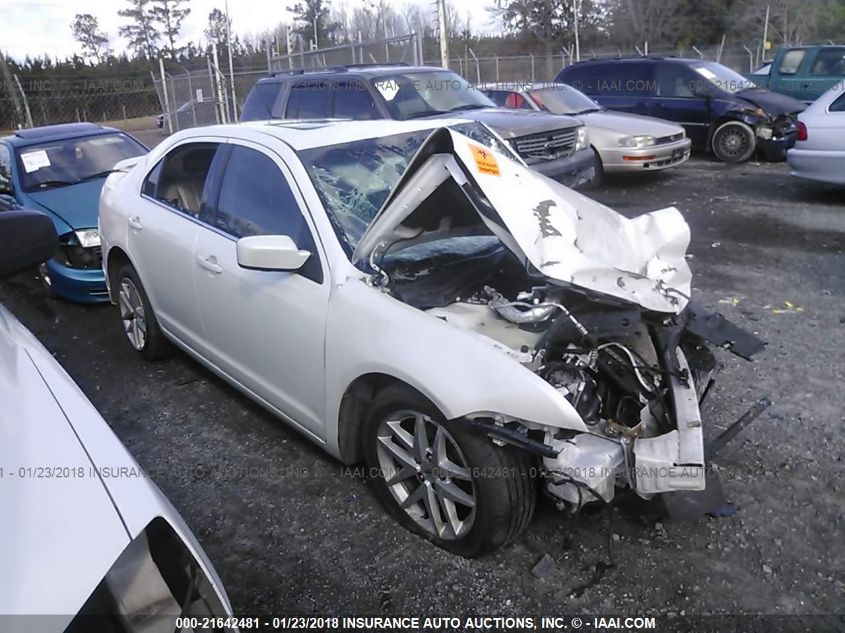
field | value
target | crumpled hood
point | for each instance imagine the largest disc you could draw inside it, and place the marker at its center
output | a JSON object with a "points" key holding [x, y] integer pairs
{"points": [[563, 234], [515, 123], [773, 103], [77, 205]]}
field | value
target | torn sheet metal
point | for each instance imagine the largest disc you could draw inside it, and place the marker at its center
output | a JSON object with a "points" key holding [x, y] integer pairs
{"points": [[565, 235]]}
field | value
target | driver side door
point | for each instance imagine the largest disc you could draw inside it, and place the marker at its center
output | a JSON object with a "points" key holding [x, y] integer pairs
{"points": [[265, 329]]}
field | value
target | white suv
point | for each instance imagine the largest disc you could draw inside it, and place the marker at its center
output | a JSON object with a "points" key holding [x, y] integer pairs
{"points": [[417, 300]]}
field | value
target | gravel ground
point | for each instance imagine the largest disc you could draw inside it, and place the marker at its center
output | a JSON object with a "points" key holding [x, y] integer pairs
{"points": [[291, 531]]}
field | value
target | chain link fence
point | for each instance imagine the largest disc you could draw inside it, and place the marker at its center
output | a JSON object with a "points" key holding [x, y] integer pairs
{"points": [[30, 102], [184, 98]]}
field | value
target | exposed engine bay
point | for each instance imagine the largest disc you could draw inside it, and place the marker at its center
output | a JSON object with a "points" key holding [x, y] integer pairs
{"points": [[594, 304], [623, 369]]}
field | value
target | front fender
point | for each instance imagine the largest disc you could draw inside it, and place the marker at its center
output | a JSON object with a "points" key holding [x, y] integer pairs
{"points": [[461, 373]]}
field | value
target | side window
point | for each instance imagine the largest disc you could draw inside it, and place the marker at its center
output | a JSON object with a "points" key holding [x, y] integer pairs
{"points": [[352, 100], [583, 78], [838, 105], [256, 199], [675, 80], [635, 78], [309, 101], [791, 61], [179, 178], [5, 168], [830, 62]]}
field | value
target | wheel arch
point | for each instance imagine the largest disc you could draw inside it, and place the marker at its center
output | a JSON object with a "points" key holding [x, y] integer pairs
{"points": [[354, 405], [117, 259]]}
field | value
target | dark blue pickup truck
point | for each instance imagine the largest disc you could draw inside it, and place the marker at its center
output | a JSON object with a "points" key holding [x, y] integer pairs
{"points": [[720, 110]]}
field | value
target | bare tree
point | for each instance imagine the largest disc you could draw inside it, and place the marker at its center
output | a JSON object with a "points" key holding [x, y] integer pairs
{"points": [[86, 31], [790, 21], [141, 31]]}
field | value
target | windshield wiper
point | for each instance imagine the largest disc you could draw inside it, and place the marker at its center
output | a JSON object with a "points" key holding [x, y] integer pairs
{"points": [[45, 184], [419, 115], [467, 106], [99, 174], [588, 110]]}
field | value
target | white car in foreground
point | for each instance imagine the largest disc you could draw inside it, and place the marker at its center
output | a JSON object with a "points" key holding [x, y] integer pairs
{"points": [[819, 152], [412, 298], [87, 542]]}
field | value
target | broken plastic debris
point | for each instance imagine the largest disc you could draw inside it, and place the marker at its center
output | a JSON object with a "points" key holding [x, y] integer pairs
{"points": [[734, 301], [544, 567], [788, 307], [716, 244]]}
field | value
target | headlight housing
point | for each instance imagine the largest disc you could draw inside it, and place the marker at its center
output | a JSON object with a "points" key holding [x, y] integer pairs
{"points": [[80, 249], [637, 141], [88, 238], [582, 141]]}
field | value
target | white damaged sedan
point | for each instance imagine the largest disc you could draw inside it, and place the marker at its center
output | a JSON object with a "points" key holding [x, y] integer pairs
{"points": [[416, 300]]}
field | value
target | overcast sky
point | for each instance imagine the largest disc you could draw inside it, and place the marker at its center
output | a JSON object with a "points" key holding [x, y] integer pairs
{"points": [[38, 27]]}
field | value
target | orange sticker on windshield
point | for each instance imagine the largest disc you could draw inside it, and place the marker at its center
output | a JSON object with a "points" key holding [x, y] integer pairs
{"points": [[484, 160]]}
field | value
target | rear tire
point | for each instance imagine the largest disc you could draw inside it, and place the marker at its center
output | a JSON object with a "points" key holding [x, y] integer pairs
{"points": [[139, 320], [460, 490], [734, 142]]}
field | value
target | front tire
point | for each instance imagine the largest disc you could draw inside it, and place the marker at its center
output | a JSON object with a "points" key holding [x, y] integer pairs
{"points": [[139, 320], [442, 479], [596, 181], [734, 142]]}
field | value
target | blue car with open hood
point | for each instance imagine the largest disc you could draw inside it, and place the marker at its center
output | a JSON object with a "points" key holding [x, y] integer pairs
{"points": [[60, 170]]}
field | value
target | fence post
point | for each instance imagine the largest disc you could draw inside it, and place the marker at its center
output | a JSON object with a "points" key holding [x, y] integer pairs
{"points": [[532, 68], [497, 67], [166, 100], [25, 103]]}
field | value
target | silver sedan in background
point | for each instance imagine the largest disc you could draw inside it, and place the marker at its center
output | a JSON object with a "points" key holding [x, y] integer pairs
{"points": [[622, 142], [819, 152]]}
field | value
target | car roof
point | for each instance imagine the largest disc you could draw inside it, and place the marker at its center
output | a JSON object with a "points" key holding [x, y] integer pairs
{"points": [[307, 134], [47, 133], [638, 58], [368, 71]]}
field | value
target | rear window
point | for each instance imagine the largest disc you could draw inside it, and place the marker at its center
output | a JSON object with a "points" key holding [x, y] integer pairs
{"points": [[261, 102], [829, 62]]}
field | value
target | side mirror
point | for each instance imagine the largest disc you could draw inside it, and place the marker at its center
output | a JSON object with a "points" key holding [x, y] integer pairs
{"points": [[270, 252], [27, 238]]}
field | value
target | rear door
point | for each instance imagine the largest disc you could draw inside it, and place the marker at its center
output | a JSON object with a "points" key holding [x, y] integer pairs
{"points": [[680, 97], [626, 86], [162, 230], [264, 329]]}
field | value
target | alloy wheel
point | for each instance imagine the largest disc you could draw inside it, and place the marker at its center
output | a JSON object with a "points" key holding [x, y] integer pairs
{"points": [[427, 474], [132, 313], [733, 143]]}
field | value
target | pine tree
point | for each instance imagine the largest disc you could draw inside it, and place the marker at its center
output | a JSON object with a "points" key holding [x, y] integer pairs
{"points": [[141, 31], [170, 14]]}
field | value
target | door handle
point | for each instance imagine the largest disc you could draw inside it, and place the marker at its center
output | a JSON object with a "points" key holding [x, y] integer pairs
{"points": [[135, 223], [210, 264]]}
